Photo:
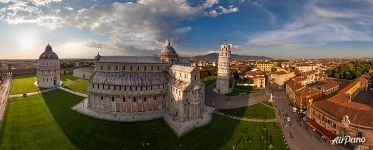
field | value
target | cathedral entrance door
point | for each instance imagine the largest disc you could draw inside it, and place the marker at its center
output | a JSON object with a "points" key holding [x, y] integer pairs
{"points": [[55, 81]]}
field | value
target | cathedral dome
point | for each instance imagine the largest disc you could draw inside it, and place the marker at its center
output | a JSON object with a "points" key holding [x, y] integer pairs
{"points": [[48, 53], [168, 50]]}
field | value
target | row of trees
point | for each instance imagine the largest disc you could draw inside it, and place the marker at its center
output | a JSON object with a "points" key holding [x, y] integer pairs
{"points": [[350, 70]]}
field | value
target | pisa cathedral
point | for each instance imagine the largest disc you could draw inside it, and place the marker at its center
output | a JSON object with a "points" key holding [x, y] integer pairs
{"points": [[137, 84], [222, 82]]}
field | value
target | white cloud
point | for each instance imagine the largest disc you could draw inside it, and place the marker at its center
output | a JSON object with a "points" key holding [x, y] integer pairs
{"points": [[43, 2], [322, 23], [222, 10], [24, 11], [210, 3], [138, 25], [69, 8]]}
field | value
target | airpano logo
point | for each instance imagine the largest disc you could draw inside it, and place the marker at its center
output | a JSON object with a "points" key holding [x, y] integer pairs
{"points": [[348, 139]]}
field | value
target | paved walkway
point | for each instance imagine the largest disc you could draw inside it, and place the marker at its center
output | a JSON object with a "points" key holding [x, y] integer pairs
{"points": [[73, 92], [227, 102], [267, 105], [246, 119], [32, 93]]}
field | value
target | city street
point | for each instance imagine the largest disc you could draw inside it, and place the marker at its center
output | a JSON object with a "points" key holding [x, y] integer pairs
{"points": [[297, 135]]}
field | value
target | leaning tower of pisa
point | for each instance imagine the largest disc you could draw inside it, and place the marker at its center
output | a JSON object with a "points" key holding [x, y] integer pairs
{"points": [[222, 83]]}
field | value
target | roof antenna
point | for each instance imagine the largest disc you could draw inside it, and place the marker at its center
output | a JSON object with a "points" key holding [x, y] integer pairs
{"points": [[168, 42]]}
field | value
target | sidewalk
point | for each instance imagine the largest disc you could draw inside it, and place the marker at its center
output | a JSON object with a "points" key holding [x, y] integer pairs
{"points": [[31, 93], [247, 119], [73, 92]]}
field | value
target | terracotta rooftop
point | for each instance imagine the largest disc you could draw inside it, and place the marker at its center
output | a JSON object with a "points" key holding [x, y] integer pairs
{"points": [[340, 104]]}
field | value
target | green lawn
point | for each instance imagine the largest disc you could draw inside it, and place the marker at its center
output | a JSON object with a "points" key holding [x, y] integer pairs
{"points": [[254, 111], [47, 122], [75, 83], [241, 89], [209, 80], [24, 84]]}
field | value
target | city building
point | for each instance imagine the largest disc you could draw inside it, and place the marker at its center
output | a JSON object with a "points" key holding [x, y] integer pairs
{"points": [[139, 84], [258, 79], [83, 72], [306, 67], [265, 67], [310, 86], [222, 82], [349, 112], [281, 77], [48, 69]]}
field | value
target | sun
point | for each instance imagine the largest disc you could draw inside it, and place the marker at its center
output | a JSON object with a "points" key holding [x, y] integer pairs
{"points": [[26, 41]]}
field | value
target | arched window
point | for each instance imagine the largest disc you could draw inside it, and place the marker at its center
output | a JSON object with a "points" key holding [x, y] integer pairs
{"points": [[112, 99], [144, 99], [134, 99], [102, 98], [124, 99], [116, 67]]}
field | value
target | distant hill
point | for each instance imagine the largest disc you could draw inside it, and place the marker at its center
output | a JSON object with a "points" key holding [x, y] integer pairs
{"points": [[214, 56]]}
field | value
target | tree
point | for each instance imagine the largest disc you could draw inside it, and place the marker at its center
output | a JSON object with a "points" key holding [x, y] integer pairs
{"points": [[236, 75]]}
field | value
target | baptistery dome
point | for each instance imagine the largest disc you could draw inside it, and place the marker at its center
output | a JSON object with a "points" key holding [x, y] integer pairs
{"points": [[48, 53]]}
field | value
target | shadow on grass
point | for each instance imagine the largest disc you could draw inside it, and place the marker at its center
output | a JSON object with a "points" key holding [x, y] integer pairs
{"points": [[90, 133]]}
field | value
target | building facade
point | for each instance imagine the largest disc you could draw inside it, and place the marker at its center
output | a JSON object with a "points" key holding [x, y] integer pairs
{"points": [[281, 77], [48, 69], [265, 67], [222, 82], [135, 84], [341, 114], [258, 78], [83, 72]]}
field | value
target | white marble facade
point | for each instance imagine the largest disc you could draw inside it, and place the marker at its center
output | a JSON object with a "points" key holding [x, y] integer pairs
{"points": [[48, 69], [137, 84], [222, 82]]}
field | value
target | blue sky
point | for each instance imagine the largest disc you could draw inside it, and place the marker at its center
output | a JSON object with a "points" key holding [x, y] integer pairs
{"points": [[274, 28]]}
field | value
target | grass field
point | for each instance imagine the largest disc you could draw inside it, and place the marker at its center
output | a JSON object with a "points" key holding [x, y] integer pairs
{"points": [[23, 84], [47, 122], [209, 80], [259, 111], [75, 83], [241, 89]]}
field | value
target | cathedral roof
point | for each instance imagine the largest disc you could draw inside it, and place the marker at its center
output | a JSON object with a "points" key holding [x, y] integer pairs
{"points": [[182, 68], [129, 59], [48, 53], [125, 78]]}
